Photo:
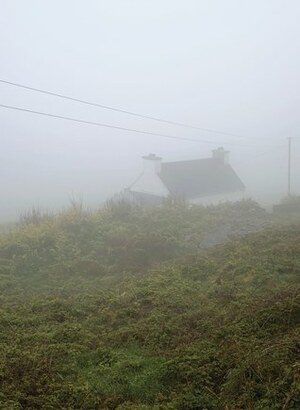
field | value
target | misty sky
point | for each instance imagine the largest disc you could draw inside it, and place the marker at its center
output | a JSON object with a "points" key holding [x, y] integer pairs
{"points": [[227, 65]]}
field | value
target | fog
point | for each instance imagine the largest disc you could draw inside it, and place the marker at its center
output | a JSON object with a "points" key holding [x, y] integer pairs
{"points": [[228, 65]]}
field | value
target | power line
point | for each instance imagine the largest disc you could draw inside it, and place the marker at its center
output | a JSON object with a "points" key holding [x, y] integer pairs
{"points": [[99, 124], [106, 107]]}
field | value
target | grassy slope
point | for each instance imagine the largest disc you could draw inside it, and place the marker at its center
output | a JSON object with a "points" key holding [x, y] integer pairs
{"points": [[122, 309]]}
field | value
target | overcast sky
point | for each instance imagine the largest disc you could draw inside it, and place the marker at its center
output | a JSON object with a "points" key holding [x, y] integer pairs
{"points": [[227, 65]]}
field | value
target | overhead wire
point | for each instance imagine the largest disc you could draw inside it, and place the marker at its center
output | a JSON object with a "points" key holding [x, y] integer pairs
{"points": [[99, 124], [120, 110]]}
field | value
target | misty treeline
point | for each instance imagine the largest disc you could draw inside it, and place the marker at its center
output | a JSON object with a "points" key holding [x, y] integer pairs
{"points": [[131, 307]]}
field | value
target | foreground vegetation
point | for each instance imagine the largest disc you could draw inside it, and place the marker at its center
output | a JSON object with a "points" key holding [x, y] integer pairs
{"points": [[134, 308]]}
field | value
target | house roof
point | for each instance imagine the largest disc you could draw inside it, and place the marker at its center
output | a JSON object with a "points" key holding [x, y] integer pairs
{"points": [[199, 178]]}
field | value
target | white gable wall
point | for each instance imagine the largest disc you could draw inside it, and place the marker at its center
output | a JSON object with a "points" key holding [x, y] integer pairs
{"points": [[149, 182]]}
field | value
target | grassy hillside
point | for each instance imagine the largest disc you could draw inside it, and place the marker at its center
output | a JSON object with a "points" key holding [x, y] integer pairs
{"points": [[130, 308]]}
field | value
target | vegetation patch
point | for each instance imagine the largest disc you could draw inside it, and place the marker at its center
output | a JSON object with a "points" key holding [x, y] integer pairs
{"points": [[125, 308]]}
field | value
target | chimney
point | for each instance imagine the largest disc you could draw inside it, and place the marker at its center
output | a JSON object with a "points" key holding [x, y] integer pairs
{"points": [[221, 155], [152, 163]]}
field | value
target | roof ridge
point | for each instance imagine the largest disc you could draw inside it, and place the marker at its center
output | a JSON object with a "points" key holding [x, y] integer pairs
{"points": [[190, 160]]}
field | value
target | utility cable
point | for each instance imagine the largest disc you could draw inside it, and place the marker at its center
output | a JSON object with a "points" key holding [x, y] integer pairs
{"points": [[99, 124], [107, 107]]}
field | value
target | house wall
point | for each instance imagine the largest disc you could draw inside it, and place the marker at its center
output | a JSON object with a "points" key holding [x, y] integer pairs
{"points": [[216, 199], [149, 182]]}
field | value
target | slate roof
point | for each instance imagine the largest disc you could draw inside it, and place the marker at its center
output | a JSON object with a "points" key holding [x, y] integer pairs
{"points": [[199, 178]]}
